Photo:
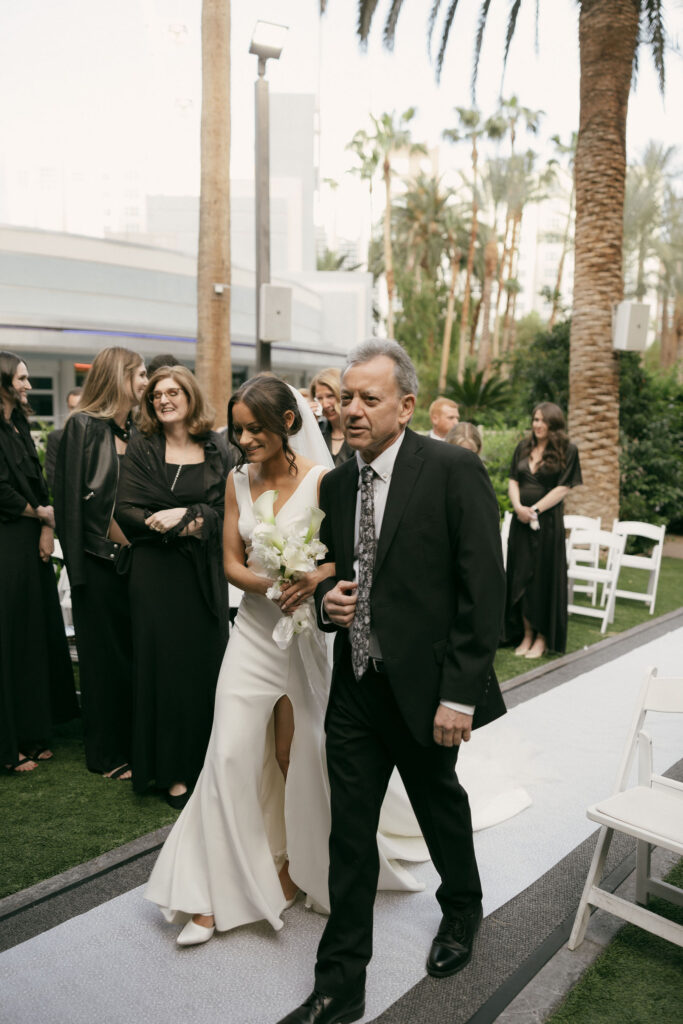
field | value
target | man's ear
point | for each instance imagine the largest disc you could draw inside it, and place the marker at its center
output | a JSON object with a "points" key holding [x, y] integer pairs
{"points": [[407, 409]]}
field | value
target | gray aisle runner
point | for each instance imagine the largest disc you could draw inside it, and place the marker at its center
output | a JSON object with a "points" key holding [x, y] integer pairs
{"points": [[118, 963]]}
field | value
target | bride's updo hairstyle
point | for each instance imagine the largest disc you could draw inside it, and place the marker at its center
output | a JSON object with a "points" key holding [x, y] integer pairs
{"points": [[268, 399]]}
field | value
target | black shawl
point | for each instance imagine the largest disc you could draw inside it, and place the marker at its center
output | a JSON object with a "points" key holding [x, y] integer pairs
{"points": [[144, 489]]}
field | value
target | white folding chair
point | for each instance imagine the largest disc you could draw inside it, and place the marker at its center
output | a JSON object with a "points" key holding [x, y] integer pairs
{"points": [[578, 572], [588, 556], [505, 535], [651, 812], [651, 563]]}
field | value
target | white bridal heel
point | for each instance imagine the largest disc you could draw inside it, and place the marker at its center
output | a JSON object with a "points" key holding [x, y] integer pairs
{"points": [[194, 934]]}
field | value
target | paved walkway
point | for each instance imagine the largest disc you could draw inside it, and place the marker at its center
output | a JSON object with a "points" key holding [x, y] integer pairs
{"points": [[117, 961]]}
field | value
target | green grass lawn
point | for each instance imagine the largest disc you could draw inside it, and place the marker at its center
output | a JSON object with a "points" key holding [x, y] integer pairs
{"points": [[61, 815], [583, 631], [637, 980]]}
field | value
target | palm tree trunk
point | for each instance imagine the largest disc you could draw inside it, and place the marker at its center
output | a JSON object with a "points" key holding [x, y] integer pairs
{"points": [[490, 262], [448, 325], [666, 336], [557, 293], [499, 289], [388, 255], [465, 312], [608, 35], [213, 365]]}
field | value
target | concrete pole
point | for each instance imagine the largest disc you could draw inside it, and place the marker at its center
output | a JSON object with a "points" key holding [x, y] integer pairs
{"points": [[262, 200]]}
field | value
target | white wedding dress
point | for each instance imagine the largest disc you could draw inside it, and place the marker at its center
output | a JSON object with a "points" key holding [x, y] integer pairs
{"points": [[224, 852]]}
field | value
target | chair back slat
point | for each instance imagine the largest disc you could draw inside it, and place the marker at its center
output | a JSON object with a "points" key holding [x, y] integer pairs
{"points": [[664, 695]]}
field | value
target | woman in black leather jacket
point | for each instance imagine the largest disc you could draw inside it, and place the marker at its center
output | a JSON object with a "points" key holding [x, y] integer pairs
{"points": [[94, 441], [36, 679], [170, 504]]}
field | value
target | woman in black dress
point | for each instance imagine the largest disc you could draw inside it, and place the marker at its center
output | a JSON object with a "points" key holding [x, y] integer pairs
{"points": [[93, 444], [36, 679], [544, 468], [171, 501], [326, 389]]}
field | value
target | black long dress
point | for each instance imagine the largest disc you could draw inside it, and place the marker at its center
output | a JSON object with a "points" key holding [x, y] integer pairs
{"points": [[536, 562], [36, 678], [179, 614]]}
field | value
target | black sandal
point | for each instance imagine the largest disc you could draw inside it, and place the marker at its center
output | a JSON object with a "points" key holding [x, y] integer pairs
{"points": [[13, 769], [35, 755], [118, 772]]}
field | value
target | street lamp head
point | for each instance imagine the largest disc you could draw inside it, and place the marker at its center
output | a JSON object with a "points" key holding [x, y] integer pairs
{"points": [[267, 41]]}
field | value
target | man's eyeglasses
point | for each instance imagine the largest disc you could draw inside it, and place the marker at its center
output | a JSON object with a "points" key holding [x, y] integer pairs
{"points": [[156, 396]]}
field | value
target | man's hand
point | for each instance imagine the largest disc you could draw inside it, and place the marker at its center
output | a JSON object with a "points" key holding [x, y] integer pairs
{"points": [[451, 727], [340, 603]]}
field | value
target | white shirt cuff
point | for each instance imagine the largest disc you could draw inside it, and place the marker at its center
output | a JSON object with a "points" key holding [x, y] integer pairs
{"points": [[464, 709]]}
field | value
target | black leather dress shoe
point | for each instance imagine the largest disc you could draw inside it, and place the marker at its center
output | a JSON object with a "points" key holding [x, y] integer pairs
{"points": [[320, 1009], [452, 947]]}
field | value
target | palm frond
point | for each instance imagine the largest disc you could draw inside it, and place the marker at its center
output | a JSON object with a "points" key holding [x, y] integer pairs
{"points": [[366, 10], [450, 14], [436, 6], [390, 26], [510, 31], [478, 40], [656, 36]]}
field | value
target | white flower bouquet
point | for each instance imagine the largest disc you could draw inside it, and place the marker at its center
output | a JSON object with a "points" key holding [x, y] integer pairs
{"points": [[285, 556]]}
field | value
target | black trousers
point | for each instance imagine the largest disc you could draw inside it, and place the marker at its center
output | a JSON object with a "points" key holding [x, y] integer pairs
{"points": [[103, 638], [366, 738]]}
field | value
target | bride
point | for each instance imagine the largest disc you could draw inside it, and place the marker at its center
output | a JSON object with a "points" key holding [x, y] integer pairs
{"points": [[255, 830]]}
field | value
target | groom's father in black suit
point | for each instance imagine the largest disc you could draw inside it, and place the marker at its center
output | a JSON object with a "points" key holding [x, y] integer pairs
{"points": [[417, 602]]}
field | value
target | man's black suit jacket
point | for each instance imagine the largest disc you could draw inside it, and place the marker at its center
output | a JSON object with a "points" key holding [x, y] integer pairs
{"points": [[438, 588]]}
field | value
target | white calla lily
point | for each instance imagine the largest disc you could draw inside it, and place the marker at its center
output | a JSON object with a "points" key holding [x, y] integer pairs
{"points": [[264, 507]]}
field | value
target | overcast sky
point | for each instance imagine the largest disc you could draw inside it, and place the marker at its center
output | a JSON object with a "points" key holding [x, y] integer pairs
{"points": [[111, 85]]}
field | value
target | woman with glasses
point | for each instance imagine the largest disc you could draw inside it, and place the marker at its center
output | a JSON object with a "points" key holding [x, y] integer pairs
{"points": [[170, 503], [94, 442]]}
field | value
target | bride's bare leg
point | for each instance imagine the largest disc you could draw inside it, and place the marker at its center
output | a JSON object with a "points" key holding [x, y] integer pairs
{"points": [[289, 888], [528, 639], [283, 716]]}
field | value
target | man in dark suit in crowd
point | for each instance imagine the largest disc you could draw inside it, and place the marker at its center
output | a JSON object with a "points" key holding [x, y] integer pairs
{"points": [[417, 603], [55, 436]]}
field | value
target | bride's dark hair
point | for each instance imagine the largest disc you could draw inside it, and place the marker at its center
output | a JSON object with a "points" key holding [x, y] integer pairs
{"points": [[268, 399]]}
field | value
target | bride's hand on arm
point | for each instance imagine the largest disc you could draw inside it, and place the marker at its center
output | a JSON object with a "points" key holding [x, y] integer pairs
{"points": [[234, 553], [294, 592]]}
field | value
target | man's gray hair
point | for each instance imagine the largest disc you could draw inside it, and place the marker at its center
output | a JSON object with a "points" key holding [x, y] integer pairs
{"points": [[406, 375]]}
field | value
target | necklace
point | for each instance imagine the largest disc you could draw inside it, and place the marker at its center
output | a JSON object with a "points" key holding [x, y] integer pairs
{"points": [[175, 479], [123, 433]]}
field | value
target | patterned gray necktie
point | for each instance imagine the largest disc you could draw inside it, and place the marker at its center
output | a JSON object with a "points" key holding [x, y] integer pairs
{"points": [[367, 546]]}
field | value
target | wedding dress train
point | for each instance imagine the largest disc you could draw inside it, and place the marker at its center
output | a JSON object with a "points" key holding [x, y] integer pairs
{"points": [[223, 854]]}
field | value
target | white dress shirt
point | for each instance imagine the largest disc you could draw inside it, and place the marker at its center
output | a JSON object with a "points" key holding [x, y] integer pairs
{"points": [[436, 437], [383, 467]]}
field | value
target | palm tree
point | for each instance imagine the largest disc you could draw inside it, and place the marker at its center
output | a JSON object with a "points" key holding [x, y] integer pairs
{"points": [[566, 150], [391, 135], [609, 34], [646, 182], [429, 230], [213, 364], [471, 129], [670, 250]]}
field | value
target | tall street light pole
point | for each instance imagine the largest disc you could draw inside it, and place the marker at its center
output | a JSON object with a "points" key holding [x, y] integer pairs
{"points": [[266, 43]]}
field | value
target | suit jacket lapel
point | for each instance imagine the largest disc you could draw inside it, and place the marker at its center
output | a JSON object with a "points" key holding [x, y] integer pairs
{"points": [[347, 508], [407, 469]]}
